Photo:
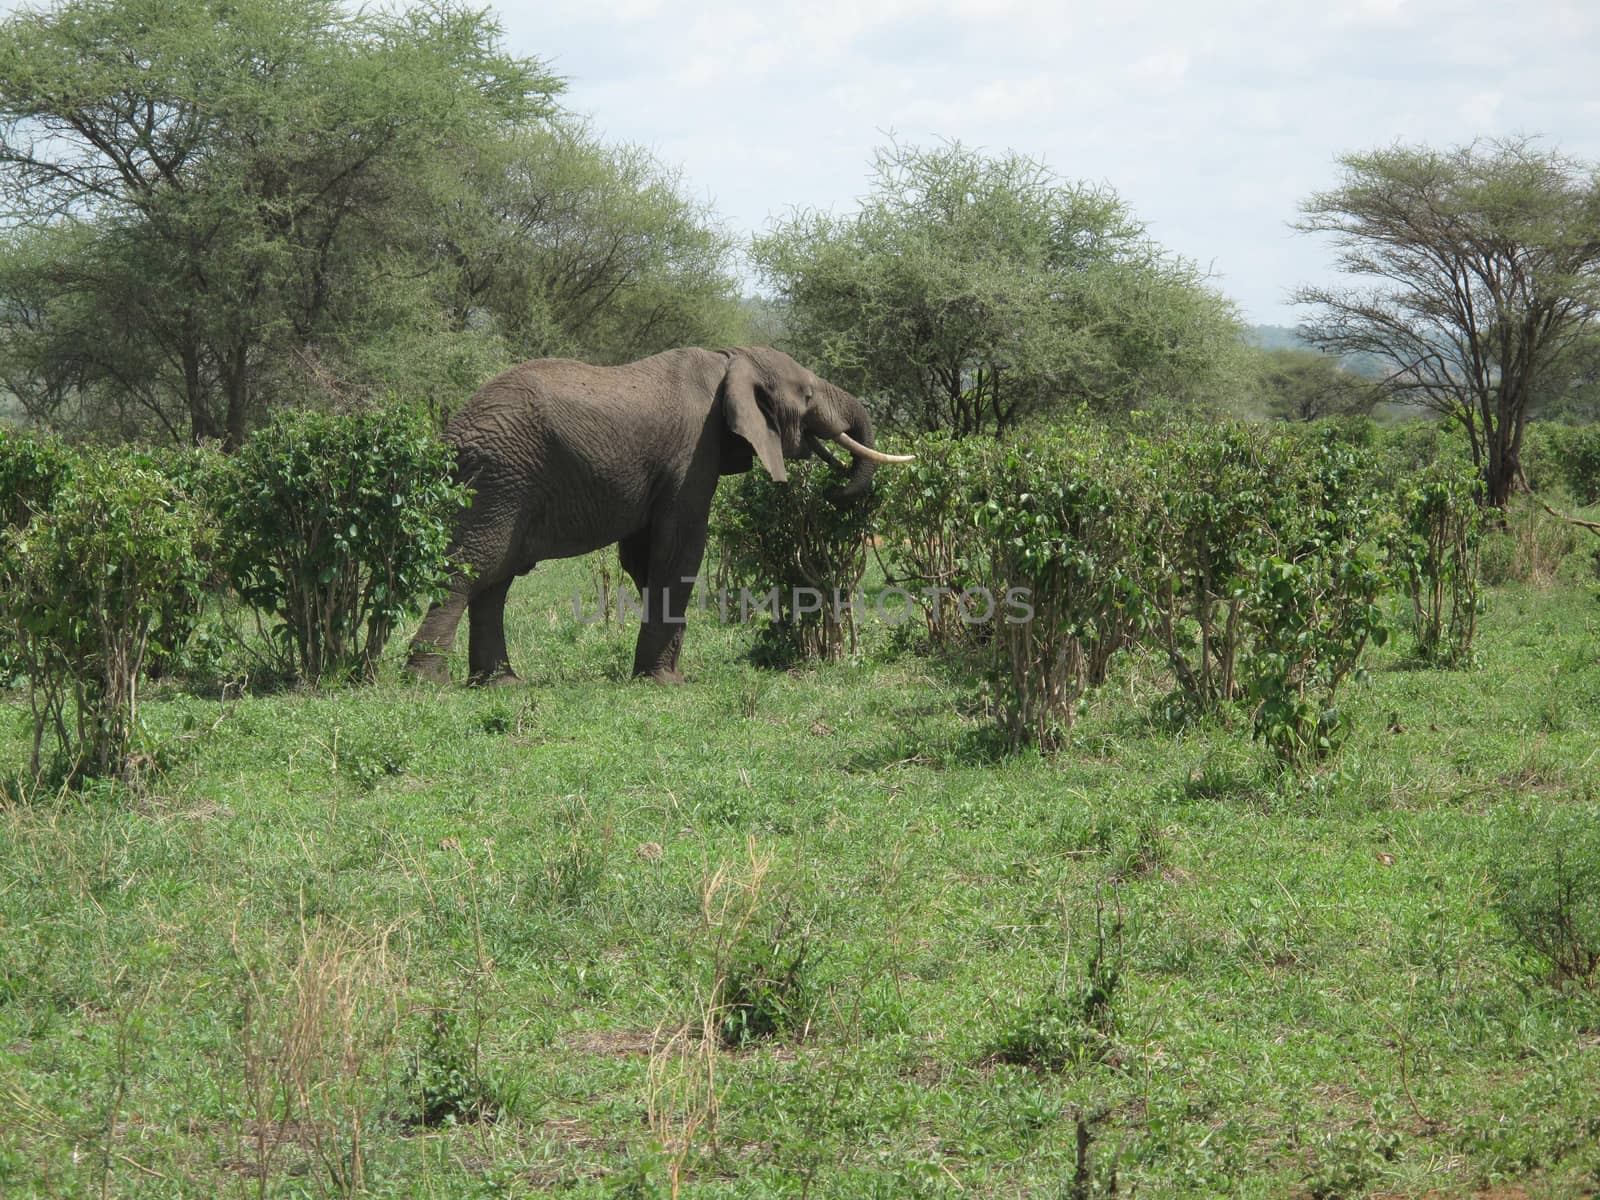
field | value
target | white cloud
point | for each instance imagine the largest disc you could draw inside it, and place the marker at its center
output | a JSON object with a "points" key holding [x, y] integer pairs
{"points": [[1482, 109], [1212, 120], [1166, 67], [992, 104], [609, 12], [1368, 12]]}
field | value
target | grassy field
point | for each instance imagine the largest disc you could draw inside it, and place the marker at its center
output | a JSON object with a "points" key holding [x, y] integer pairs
{"points": [[802, 934]]}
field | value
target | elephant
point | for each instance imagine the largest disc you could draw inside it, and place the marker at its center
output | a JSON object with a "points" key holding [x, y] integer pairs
{"points": [[564, 458]]}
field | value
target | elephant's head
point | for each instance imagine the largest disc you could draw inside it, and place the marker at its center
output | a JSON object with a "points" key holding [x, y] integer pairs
{"points": [[784, 411]]}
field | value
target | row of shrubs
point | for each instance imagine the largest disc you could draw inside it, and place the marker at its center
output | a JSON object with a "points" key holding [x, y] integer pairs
{"points": [[328, 528], [1257, 565]]}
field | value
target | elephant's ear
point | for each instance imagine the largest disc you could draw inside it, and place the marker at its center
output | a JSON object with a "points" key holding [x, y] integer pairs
{"points": [[744, 416]]}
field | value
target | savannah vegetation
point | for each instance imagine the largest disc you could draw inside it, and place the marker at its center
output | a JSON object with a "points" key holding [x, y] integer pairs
{"points": [[828, 929], [1260, 861], [1482, 265]]}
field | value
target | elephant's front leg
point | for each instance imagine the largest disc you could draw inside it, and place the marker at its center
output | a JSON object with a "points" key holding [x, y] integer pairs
{"points": [[674, 564]]}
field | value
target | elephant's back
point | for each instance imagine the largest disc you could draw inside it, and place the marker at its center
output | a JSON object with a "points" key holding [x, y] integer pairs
{"points": [[553, 437], [559, 406], [560, 397]]}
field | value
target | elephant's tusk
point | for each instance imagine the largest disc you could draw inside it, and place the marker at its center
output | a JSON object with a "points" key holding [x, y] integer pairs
{"points": [[868, 453]]}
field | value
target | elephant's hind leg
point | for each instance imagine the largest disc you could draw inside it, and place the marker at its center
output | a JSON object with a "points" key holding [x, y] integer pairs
{"points": [[486, 637], [437, 634]]}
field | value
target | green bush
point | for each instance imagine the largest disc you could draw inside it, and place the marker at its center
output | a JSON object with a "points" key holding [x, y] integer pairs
{"points": [[1406, 447], [1316, 600], [448, 1080], [1528, 545], [1070, 1024], [1580, 464], [759, 967], [769, 991], [1547, 882], [203, 474], [1252, 563], [1543, 454], [793, 539], [32, 470], [111, 572], [1048, 1033], [1028, 551], [1436, 550], [337, 525], [1062, 534], [1563, 457], [1347, 1162], [1265, 572], [1208, 496], [930, 540]]}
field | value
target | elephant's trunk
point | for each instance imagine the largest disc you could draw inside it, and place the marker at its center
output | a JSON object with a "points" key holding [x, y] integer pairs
{"points": [[853, 421]]}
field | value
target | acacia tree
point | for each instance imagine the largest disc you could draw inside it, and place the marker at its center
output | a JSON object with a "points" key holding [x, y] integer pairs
{"points": [[1486, 262], [570, 246], [970, 291], [204, 186], [1302, 385]]}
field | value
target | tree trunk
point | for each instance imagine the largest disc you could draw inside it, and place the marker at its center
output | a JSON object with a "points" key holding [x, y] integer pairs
{"points": [[237, 386], [1500, 470], [202, 421]]}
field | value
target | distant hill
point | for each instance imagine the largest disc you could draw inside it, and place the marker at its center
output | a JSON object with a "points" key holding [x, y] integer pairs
{"points": [[1282, 337], [1275, 337]]}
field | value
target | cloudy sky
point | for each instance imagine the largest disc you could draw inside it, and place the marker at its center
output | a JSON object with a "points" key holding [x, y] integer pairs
{"points": [[1212, 120]]}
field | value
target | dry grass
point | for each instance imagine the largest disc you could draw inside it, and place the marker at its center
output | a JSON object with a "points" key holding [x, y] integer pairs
{"points": [[682, 1089], [312, 1046]]}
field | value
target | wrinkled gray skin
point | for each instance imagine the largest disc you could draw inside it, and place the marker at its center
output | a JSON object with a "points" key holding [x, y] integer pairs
{"points": [[565, 458]]}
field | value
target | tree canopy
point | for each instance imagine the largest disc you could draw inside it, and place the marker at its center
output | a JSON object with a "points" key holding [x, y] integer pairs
{"points": [[219, 205], [573, 247], [193, 179], [970, 291], [1481, 274]]}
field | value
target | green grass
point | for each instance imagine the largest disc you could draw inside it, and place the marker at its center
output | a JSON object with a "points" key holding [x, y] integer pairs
{"points": [[459, 943]]}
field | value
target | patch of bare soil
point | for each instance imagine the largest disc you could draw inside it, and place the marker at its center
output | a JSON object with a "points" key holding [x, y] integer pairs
{"points": [[613, 1043]]}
